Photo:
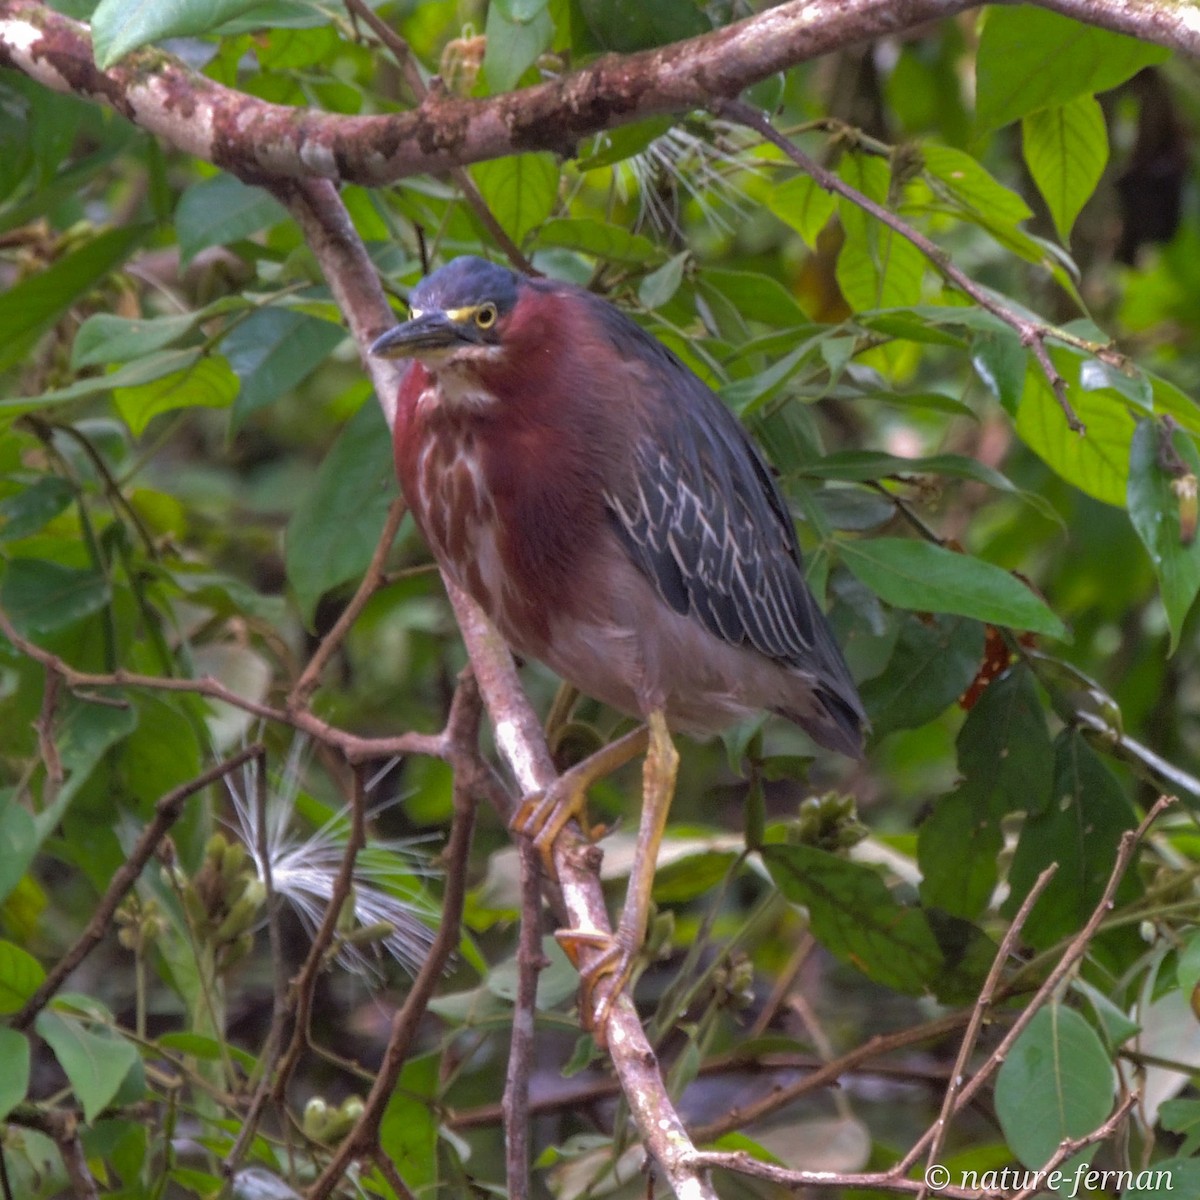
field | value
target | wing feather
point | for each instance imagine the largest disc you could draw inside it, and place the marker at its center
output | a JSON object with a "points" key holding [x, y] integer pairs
{"points": [[704, 520]]}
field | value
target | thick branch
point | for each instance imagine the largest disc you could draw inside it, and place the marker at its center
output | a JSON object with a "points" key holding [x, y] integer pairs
{"points": [[258, 141], [318, 210]]}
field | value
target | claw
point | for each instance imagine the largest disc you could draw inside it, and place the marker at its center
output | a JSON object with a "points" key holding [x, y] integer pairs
{"points": [[542, 816], [615, 961], [616, 953]]}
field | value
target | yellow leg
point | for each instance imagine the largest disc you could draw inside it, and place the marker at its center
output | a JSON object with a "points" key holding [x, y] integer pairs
{"points": [[619, 953], [542, 816]]}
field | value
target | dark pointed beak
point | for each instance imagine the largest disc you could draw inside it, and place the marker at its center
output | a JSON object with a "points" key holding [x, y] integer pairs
{"points": [[429, 331]]}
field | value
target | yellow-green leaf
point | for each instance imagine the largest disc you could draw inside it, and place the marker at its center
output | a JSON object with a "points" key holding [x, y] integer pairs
{"points": [[1066, 150]]}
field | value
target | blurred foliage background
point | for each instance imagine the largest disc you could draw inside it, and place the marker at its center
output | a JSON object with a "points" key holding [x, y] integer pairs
{"points": [[194, 474]]}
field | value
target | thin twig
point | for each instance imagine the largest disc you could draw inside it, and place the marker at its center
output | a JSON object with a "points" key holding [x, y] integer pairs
{"points": [[281, 1011], [305, 980], [166, 812], [978, 1014], [387, 1169], [574, 1098], [521, 1045], [355, 749], [782, 986], [1033, 334], [47, 748], [66, 1138], [829, 1074], [304, 687], [1074, 952], [416, 84], [363, 1139], [1069, 1147], [61, 1125], [740, 1162], [5, 1184]]}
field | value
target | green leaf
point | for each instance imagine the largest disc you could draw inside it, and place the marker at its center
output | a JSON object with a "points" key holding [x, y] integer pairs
{"points": [[209, 383], [1179, 1176], [862, 465], [1030, 58], [103, 338], [616, 145], [521, 190], [970, 184], [1007, 761], [1079, 830], [42, 596], [556, 981], [119, 26], [927, 578], [20, 976], [31, 508], [957, 848], [221, 210], [513, 45], [1004, 748], [1112, 1023], [613, 243], [758, 297], [657, 288], [520, 10], [628, 25], [746, 396], [876, 267], [337, 522], [1066, 150], [1169, 401], [1096, 462], [933, 662], [37, 300], [408, 1133], [211, 1049], [1001, 361], [1154, 508], [86, 732], [685, 879], [274, 350], [800, 203], [14, 1079], [1182, 1117], [856, 918], [1187, 967], [95, 1058], [18, 844], [1056, 1083], [142, 370]]}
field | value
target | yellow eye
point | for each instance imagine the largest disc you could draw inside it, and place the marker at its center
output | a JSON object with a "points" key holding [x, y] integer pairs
{"points": [[485, 315]]}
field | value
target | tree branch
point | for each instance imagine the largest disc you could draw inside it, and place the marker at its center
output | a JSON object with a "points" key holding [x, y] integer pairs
{"points": [[318, 209], [354, 748], [260, 141], [1032, 333]]}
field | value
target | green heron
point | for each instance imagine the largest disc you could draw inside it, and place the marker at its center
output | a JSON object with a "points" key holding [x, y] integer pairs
{"points": [[616, 522]]}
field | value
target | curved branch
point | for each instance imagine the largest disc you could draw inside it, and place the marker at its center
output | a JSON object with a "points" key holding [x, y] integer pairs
{"points": [[259, 141], [318, 210]]}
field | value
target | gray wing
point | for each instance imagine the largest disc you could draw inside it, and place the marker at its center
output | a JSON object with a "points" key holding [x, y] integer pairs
{"points": [[701, 516]]}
